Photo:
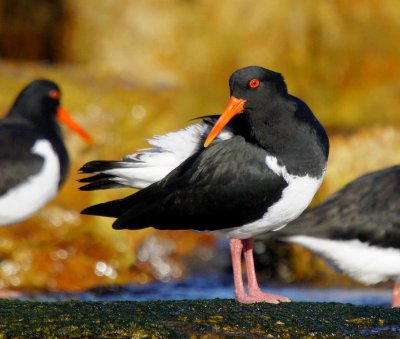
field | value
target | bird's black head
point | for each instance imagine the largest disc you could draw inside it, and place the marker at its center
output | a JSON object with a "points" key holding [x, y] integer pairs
{"points": [[252, 89], [256, 84], [37, 102]]}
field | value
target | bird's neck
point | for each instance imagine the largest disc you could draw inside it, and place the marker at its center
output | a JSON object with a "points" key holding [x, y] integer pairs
{"points": [[268, 125], [46, 125], [300, 144]]}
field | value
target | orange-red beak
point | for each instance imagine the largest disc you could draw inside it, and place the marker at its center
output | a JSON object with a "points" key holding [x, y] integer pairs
{"points": [[64, 117], [235, 106]]}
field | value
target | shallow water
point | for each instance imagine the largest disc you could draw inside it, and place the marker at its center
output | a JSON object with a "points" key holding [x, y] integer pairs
{"points": [[210, 287]]}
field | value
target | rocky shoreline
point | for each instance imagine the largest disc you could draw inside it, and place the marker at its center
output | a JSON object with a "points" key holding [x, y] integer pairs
{"points": [[217, 318]]}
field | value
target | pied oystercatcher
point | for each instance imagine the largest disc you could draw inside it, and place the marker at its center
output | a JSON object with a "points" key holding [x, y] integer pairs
{"points": [[357, 229], [33, 158], [256, 169]]}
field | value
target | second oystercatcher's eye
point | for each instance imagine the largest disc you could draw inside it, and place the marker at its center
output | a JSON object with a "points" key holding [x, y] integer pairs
{"points": [[254, 83], [54, 94]]}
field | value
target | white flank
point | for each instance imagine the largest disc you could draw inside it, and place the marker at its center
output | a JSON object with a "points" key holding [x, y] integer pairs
{"points": [[25, 199], [169, 151], [294, 200], [364, 263]]}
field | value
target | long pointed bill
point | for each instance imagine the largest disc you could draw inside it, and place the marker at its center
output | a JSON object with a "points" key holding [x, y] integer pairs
{"points": [[234, 107], [64, 117]]}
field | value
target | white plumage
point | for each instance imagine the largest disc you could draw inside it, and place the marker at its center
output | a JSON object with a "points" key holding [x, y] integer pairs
{"points": [[363, 262], [25, 199], [295, 199], [170, 150]]}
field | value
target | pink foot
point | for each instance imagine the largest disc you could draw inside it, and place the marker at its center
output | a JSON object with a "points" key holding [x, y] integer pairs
{"points": [[396, 295], [4, 294], [246, 299], [260, 297]]}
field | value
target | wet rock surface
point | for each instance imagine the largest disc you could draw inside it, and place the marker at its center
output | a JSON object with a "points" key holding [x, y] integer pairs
{"points": [[206, 318]]}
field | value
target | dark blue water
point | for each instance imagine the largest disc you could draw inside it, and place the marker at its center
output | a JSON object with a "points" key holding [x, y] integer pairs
{"points": [[210, 287]]}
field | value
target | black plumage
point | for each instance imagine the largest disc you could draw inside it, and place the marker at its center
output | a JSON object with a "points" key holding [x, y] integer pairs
{"points": [[211, 190], [32, 117], [227, 184], [33, 158], [254, 176]]}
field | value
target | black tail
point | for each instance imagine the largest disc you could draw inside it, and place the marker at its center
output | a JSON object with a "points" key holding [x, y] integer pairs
{"points": [[101, 181], [111, 209], [97, 166], [133, 212]]}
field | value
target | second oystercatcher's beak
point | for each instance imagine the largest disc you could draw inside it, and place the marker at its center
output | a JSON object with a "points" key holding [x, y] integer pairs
{"points": [[235, 106], [64, 117]]}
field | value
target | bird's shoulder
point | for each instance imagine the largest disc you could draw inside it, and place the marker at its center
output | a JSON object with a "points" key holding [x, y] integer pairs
{"points": [[230, 161]]}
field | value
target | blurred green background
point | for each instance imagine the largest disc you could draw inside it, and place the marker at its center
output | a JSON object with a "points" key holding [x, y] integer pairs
{"points": [[132, 69]]}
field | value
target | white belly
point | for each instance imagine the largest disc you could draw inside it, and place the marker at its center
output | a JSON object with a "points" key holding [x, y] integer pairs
{"points": [[364, 263], [294, 200], [25, 199]]}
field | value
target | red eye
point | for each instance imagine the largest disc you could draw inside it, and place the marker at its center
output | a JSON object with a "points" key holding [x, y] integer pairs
{"points": [[254, 83], [54, 94]]}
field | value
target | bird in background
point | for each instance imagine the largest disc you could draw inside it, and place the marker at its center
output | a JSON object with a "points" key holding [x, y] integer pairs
{"points": [[249, 171], [33, 158], [357, 229]]}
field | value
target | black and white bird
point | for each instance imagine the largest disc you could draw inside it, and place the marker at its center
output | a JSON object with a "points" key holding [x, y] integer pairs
{"points": [[253, 170], [357, 229], [33, 158]]}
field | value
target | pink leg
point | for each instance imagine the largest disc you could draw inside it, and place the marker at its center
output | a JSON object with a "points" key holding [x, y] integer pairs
{"points": [[6, 294], [254, 290], [255, 294], [236, 255], [396, 294]]}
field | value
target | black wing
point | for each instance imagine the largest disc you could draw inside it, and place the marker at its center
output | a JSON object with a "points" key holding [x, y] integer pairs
{"points": [[226, 185], [17, 160]]}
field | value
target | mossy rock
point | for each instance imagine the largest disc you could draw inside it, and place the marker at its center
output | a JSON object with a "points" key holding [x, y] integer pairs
{"points": [[200, 318]]}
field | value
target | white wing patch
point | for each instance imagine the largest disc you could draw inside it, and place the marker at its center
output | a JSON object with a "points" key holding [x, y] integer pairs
{"points": [[294, 200], [361, 261], [25, 199], [170, 150]]}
